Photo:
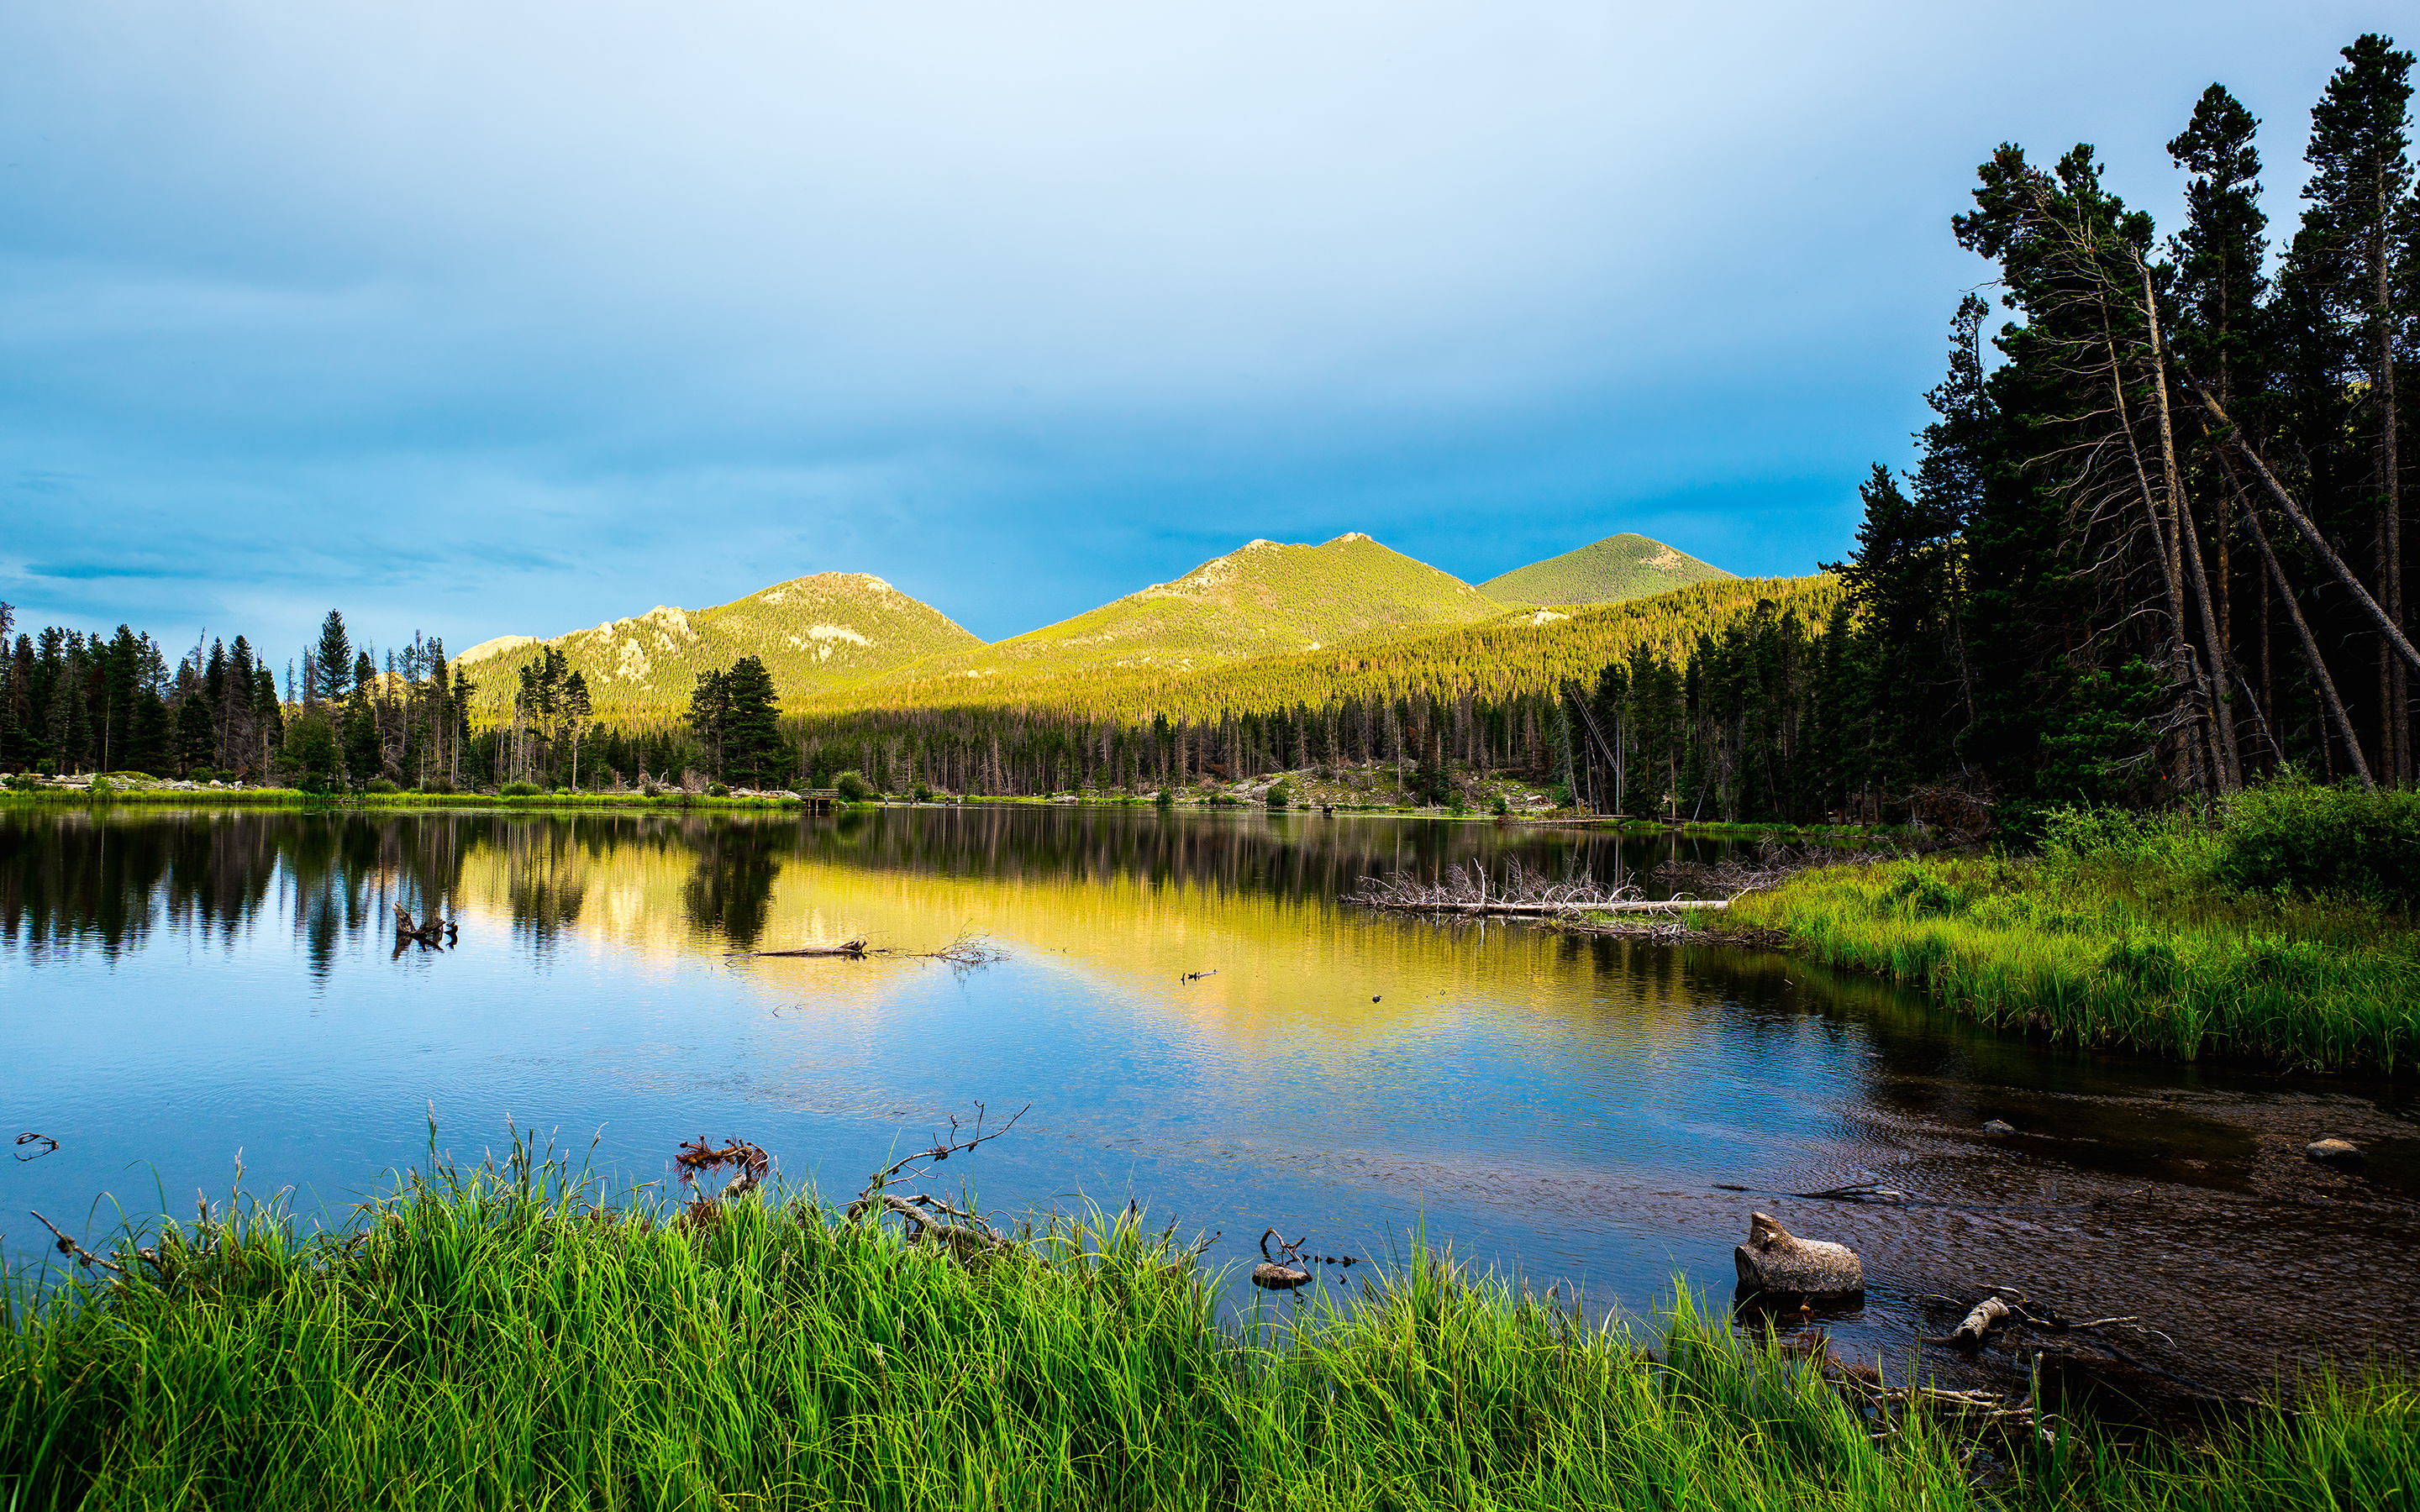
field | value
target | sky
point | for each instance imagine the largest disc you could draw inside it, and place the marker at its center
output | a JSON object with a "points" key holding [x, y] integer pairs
{"points": [[479, 318]]}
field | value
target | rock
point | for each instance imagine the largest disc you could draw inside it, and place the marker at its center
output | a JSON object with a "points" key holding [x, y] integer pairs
{"points": [[1998, 1126], [2334, 1151], [1775, 1261]]}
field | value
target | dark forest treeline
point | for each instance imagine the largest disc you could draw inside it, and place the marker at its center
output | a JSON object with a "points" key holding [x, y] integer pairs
{"points": [[72, 701]]}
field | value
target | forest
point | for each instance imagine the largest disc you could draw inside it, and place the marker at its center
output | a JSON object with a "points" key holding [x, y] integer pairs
{"points": [[2151, 548]]}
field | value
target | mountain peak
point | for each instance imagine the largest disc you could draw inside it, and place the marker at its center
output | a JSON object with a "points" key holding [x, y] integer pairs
{"points": [[1618, 568]]}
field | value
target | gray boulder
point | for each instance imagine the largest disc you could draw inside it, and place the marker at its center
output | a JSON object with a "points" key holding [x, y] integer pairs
{"points": [[1775, 1261], [2334, 1151]]}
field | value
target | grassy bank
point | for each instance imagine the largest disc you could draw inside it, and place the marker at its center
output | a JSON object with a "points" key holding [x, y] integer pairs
{"points": [[2283, 933], [493, 1341]]}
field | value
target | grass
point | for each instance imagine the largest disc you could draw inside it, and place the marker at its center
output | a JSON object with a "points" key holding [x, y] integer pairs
{"points": [[2131, 932], [498, 1339]]}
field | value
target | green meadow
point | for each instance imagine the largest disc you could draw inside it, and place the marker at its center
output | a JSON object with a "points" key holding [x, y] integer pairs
{"points": [[2280, 930]]}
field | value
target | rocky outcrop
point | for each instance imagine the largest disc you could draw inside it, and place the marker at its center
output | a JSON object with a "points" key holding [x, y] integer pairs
{"points": [[1775, 1261]]}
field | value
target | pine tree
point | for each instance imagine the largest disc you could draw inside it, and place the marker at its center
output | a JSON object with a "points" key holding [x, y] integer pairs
{"points": [[332, 661], [2342, 265]]}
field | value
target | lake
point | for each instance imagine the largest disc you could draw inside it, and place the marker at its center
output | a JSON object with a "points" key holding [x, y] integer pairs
{"points": [[181, 987]]}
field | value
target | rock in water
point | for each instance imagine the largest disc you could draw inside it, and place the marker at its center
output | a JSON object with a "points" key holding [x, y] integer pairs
{"points": [[2334, 1151], [1998, 1126], [1775, 1260]]}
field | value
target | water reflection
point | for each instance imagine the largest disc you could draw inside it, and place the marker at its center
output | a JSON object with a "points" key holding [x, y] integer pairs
{"points": [[178, 986]]}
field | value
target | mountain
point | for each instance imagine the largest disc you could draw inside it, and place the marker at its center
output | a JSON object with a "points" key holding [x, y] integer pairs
{"points": [[816, 635], [1260, 599], [1617, 568], [1519, 652]]}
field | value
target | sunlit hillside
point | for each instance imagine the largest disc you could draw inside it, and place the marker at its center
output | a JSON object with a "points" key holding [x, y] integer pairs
{"points": [[1610, 571], [1261, 598], [816, 634], [1504, 655]]}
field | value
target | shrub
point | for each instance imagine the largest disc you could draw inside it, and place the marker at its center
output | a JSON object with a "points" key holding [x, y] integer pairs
{"points": [[437, 784], [380, 784], [853, 787], [518, 789], [716, 790], [1501, 807], [1281, 794], [2291, 835], [1164, 800], [923, 793]]}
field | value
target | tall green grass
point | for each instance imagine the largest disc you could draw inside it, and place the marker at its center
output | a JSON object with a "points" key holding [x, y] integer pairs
{"points": [[499, 1341], [2139, 930]]}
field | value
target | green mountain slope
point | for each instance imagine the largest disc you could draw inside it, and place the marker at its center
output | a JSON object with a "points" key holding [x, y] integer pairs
{"points": [[1260, 599], [1530, 651], [816, 635], [1617, 568]]}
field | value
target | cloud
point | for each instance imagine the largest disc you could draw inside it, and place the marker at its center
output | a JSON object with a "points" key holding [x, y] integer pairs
{"points": [[507, 319]]}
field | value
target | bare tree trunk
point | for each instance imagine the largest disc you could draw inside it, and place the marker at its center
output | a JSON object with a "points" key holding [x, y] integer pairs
{"points": [[2310, 647], [2399, 713], [2181, 670], [2213, 673]]}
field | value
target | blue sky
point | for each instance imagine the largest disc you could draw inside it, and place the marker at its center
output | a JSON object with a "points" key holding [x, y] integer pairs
{"points": [[484, 318]]}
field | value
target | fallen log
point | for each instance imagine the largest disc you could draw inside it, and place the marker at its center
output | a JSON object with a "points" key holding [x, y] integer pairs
{"points": [[1987, 1314], [851, 949], [1668, 905]]}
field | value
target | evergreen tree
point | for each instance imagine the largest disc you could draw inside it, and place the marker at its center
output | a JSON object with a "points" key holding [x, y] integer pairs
{"points": [[2358, 217], [752, 747], [195, 745], [332, 661]]}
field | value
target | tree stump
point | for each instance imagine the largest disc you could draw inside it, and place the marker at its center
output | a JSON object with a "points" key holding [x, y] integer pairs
{"points": [[1775, 1261]]}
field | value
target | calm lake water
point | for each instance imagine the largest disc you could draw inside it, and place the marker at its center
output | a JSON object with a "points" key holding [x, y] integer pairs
{"points": [[178, 988]]}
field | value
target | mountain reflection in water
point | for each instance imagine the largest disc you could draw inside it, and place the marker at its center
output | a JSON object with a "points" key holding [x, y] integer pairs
{"points": [[181, 986]]}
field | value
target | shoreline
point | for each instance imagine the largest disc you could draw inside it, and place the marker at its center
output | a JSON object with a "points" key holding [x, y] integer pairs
{"points": [[502, 1327]]}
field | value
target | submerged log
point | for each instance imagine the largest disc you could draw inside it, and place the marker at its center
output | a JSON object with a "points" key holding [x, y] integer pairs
{"points": [[849, 949], [1987, 1314], [1775, 1261]]}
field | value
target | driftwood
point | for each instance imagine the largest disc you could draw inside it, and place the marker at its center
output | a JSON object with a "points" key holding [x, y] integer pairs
{"points": [[920, 1213], [851, 949], [1987, 1314], [424, 935], [1774, 1260], [1274, 1274], [1471, 891], [1628, 905], [965, 951], [970, 1235]]}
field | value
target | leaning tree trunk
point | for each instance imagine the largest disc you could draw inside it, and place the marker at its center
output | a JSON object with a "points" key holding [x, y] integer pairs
{"points": [[2213, 670], [2310, 647], [2387, 627]]}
